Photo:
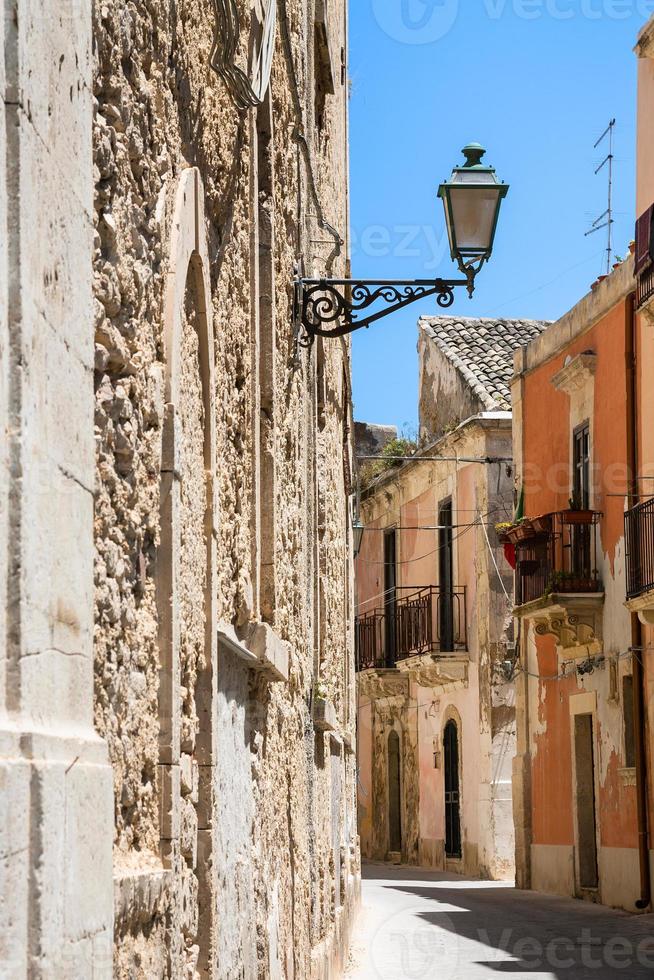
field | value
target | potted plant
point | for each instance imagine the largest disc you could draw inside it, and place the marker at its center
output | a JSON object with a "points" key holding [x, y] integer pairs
{"points": [[576, 514], [502, 530]]}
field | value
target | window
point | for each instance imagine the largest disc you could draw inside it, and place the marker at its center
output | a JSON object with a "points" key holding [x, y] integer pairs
{"points": [[581, 464], [628, 717], [581, 536]]}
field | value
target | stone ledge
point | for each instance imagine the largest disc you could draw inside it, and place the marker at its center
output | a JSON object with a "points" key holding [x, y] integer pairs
{"points": [[140, 896], [643, 605], [324, 716], [270, 651], [260, 648], [228, 638]]}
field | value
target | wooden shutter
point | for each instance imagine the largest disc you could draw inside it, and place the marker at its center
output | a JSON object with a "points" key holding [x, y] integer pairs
{"points": [[645, 240]]}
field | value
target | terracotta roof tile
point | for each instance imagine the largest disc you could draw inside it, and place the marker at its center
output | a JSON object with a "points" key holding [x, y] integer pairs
{"points": [[482, 351]]}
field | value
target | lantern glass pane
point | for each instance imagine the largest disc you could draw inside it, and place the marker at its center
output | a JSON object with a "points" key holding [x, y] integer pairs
{"points": [[473, 217]]}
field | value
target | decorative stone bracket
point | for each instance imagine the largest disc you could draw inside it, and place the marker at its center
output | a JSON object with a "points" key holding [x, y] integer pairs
{"points": [[576, 373], [430, 670], [577, 626]]}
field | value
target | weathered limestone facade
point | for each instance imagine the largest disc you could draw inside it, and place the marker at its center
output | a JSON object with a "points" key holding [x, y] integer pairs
{"points": [[209, 676], [434, 603]]}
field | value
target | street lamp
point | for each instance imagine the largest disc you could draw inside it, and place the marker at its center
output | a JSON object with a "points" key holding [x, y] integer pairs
{"points": [[358, 528], [472, 199]]}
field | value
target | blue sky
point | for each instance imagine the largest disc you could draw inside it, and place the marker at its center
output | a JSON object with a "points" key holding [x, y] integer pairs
{"points": [[535, 81]]}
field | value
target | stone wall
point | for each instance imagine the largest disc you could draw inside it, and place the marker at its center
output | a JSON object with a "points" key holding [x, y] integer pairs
{"points": [[224, 792], [221, 641], [55, 782]]}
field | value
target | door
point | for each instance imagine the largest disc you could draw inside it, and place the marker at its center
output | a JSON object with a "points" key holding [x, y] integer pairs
{"points": [[445, 578], [452, 795], [390, 596], [586, 810], [394, 794]]}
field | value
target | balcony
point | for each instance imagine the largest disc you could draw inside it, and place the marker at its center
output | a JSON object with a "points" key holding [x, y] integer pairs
{"points": [[639, 538], [422, 622], [557, 580]]}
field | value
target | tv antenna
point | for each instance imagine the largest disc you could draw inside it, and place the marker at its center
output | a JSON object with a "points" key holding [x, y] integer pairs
{"points": [[605, 220]]}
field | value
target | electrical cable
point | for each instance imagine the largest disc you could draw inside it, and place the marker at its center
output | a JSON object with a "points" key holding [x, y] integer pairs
{"points": [[492, 554]]}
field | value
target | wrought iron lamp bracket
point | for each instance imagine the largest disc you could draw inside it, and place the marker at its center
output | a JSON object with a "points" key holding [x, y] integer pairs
{"points": [[337, 307]]}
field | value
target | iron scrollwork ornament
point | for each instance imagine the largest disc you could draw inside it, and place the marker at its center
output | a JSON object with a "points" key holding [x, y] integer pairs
{"points": [[336, 307], [246, 92]]}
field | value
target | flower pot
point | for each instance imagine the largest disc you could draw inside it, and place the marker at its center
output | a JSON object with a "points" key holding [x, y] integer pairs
{"points": [[577, 516], [542, 524], [524, 531], [502, 532]]}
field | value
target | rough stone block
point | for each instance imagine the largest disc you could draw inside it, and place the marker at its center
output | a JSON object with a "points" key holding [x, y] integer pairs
{"points": [[169, 778], [324, 716], [271, 652], [49, 75]]}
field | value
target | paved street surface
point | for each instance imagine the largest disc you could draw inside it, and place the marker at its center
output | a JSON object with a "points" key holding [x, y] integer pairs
{"points": [[421, 925]]}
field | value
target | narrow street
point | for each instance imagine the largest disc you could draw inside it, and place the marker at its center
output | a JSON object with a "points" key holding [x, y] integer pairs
{"points": [[417, 925]]}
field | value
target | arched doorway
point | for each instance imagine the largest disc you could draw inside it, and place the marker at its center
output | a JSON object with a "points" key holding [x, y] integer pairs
{"points": [[452, 791], [394, 794]]}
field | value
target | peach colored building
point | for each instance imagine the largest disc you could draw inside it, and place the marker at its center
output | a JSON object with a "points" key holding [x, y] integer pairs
{"points": [[436, 718], [584, 453]]}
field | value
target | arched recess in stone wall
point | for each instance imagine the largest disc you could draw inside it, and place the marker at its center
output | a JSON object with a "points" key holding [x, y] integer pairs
{"points": [[187, 618]]}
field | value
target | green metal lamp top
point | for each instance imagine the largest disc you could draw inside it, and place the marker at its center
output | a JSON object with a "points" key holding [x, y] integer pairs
{"points": [[473, 153]]}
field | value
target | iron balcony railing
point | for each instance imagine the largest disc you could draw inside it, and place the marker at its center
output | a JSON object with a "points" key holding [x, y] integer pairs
{"points": [[639, 537], [423, 620], [560, 557], [645, 285]]}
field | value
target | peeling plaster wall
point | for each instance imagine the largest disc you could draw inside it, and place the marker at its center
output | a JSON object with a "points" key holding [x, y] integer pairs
{"points": [[544, 779], [482, 703]]}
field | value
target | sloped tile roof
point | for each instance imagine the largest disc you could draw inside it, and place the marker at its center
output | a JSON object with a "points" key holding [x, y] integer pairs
{"points": [[482, 351]]}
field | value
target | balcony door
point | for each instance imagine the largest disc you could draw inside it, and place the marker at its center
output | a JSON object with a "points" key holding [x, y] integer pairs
{"points": [[445, 577], [390, 594]]}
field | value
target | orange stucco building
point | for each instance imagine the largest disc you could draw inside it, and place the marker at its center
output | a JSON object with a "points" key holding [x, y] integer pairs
{"points": [[584, 451]]}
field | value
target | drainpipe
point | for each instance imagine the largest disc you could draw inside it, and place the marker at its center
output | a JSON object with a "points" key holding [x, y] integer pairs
{"points": [[642, 774]]}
